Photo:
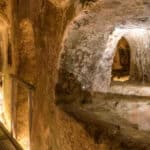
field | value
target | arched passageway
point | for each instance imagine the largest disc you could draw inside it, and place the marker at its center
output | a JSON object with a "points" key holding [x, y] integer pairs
{"points": [[121, 61]]}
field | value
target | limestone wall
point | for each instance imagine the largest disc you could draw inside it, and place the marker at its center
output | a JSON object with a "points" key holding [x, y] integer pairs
{"points": [[38, 60], [92, 37]]}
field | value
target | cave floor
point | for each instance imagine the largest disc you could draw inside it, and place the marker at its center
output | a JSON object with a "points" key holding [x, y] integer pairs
{"points": [[6, 142], [134, 109], [124, 118]]}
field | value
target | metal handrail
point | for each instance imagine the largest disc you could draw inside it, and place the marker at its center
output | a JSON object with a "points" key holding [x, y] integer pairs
{"points": [[22, 82], [31, 88]]}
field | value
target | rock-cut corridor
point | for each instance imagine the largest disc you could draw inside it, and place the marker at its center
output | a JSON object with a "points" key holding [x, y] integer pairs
{"points": [[74, 75]]}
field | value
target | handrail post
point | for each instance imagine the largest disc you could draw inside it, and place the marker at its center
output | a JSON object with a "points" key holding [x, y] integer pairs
{"points": [[13, 108], [30, 106], [16, 80]]}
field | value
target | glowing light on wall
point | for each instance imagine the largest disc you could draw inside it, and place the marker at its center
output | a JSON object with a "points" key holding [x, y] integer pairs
{"points": [[1, 106], [24, 142]]}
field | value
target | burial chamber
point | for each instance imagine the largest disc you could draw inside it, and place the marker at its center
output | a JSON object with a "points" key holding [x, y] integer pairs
{"points": [[104, 70]]}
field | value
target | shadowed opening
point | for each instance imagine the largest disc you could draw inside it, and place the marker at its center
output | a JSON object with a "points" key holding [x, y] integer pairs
{"points": [[121, 62]]}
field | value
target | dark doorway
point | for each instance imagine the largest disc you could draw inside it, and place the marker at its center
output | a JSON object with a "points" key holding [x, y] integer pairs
{"points": [[121, 62]]}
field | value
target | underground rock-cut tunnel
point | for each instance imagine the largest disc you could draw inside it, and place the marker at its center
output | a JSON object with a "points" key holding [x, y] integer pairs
{"points": [[74, 75]]}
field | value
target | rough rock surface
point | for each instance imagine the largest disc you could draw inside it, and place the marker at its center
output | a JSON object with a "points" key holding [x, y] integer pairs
{"points": [[37, 31], [92, 37]]}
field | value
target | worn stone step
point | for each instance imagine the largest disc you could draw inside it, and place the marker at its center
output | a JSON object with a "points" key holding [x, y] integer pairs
{"points": [[111, 125], [6, 145], [7, 142], [130, 89]]}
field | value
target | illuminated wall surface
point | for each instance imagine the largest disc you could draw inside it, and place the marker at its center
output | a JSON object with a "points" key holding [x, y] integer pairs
{"points": [[86, 54]]}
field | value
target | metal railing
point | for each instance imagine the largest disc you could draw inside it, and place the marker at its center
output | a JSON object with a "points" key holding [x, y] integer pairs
{"points": [[15, 81]]}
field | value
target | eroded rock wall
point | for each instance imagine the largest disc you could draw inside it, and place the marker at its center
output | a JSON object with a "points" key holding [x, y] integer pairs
{"points": [[38, 48], [6, 53], [51, 128], [91, 40]]}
